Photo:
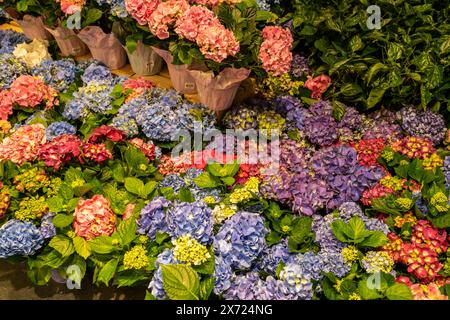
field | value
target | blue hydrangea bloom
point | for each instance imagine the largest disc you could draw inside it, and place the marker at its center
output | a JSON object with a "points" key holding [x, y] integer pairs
{"points": [[273, 256], [334, 262], [223, 275], [10, 69], [446, 170], [193, 218], [153, 218], [128, 125], [47, 228], [241, 239], [199, 193], [312, 264], [19, 238], [9, 39], [74, 109], [59, 128], [59, 74], [297, 281], [173, 181], [117, 7], [96, 72], [156, 286]]}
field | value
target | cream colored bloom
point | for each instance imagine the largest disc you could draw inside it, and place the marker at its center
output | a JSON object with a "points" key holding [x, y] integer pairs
{"points": [[32, 53]]}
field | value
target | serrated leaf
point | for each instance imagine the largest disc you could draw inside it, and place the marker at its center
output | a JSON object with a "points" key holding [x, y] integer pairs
{"points": [[102, 245], [399, 291], [206, 180], [82, 247], [134, 185], [375, 96], [375, 239], [206, 287], [180, 282], [62, 244], [55, 204], [366, 293], [107, 272], [62, 220], [127, 231]]}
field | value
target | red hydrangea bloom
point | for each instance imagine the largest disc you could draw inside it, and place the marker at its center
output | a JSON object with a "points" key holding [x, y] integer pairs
{"points": [[414, 147], [96, 152], [60, 150], [376, 192], [369, 150], [246, 171], [425, 235], [147, 148], [106, 132], [422, 262]]}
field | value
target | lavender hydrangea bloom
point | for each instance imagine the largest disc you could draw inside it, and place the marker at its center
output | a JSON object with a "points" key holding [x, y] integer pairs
{"points": [[298, 282], [173, 181], [324, 235], [321, 130], [241, 117], [334, 262], [309, 194], [299, 66], [193, 218], [311, 263], [128, 125], [241, 239], [96, 72], [19, 238], [425, 124], [222, 274], [74, 109], [446, 170], [292, 109], [47, 228], [10, 69], [275, 186], [9, 39], [59, 128], [246, 287], [294, 157], [351, 119], [158, 121], [59, 74], [153, 218], [273, 256], [381, 129], [156, 285]]}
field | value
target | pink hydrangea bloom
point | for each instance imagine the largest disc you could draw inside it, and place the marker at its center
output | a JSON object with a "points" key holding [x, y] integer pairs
{"points": [[24, 144], [275, 52], [60, 150], [30, 92], [6, 104], [141, 9], [72, 6], [206, 2], [318, 85], [94, 217], [165, 15], [193, 21]]}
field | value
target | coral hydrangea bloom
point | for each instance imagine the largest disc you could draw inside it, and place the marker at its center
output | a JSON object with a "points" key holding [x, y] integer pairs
{"points": [[165, 15], [6, 104], [275, 52], [30, 92], [94, 217], [23, 145], [141, 10], [72, 6], [96, 152], [318, 85]]}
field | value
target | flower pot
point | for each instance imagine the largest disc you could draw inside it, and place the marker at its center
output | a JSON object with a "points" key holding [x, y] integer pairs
{"points": [[181, 79], [144, 60], [218, 92], [104, 47], [68, 42], [34, 28]]}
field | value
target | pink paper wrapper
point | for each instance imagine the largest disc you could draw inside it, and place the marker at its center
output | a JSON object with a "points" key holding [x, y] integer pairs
{"points": [[104, 47], [144, 60], [34, 28], [182, 81], [68, 42], [218, 93]]}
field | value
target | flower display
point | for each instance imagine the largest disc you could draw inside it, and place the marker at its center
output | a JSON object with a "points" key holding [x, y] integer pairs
{"points": [[11, 68], [424, 124], [275, 53], [93, 217]]}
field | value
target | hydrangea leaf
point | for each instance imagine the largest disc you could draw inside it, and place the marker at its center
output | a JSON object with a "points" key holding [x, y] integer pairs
{"points": [[180, 282]]}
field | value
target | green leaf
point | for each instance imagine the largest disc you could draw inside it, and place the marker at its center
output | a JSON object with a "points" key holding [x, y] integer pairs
{"points": [[128, 279], [338, 110], [127, 231], [206, 287], [399, 291], [226, 170], [356, 43], [62, 220], [375, 96], [107, 272], [301, 229], [82, 247], [55, 204], [441, 221], [366, 293], [358, 229], [65, 192], [62, 244], [445, 46], [185, 195], [228, 181], [375, 239], [206, 180], [350, 89], [180, 282], [92, 16], [102, 245], [137, 187]]}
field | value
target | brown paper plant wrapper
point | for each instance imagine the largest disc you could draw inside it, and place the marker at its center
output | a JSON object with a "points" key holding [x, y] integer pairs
{"points": [[104, 47], [144, 60], [34, 28], [182, 81], [68, 42], [218, 92]]}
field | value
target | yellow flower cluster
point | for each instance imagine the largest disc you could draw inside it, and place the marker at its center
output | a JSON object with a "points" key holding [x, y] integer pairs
{"points": [[354, 296], [432, 162], [387, 154], [190, 251], [136, 258], [31, 208], [245, 193], [5, 126], [440, 202], [338, 284], [378, 261], [395, 183], [222, 212], [407, 218], [350, 254], [209, 200], [404, 203]]}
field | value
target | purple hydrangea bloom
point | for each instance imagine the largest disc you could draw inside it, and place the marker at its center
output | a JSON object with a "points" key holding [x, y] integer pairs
{"points": [[292, 109], [96, 72], [425, 124], [324, 235], [299, 66], [294, 157], [222, 274], [273, 256], [241, 239], [321, 130], [275, 186], [59, 128], [241, 117], [193, 218], [309, 194], [245, 287], [47, 228], [351, 119], [153, 218], [381, 129], [19, 238], [334, 262], [156, 285], [446, 170]]}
